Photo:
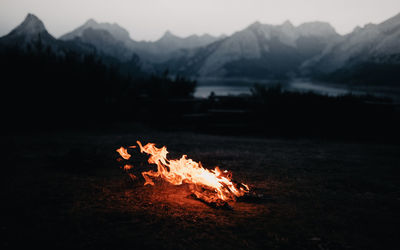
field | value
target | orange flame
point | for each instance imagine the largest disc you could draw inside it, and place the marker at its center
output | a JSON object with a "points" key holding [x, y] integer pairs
{"points": [[186, 170], [124, 153]]}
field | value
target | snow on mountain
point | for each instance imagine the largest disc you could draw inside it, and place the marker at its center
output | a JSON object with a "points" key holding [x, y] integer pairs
{"points": [[259, 43], [114, 29], [157, 51], [364, 43]]}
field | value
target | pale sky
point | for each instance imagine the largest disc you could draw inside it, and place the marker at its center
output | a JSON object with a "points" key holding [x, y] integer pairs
{"points": [[149, 19]]}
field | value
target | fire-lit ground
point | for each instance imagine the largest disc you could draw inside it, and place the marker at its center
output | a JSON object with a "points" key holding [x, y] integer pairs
{"points": [[69, 191]]}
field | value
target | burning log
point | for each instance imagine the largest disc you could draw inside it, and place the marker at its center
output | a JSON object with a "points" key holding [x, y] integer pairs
{"points": [[214, 187], [206, 196]]}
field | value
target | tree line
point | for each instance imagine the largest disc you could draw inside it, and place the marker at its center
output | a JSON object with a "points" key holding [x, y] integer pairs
{"points": [[42, 87]]}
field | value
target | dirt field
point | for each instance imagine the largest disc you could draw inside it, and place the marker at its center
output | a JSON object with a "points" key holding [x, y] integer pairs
{"points": [[68, 191]]}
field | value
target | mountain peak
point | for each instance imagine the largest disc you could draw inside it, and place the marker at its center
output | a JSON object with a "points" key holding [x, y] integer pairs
{"points": [[287, 23], [356, 29], [255, 25], [30, 30], [91, 22], [206, 35], [168, 35], [31, 17], [114, 29], [31, 25]]}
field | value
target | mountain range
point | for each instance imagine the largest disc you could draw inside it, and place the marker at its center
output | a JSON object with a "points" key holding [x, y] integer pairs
{"points": [[32, 33], [258, 51], [368, 54], [116, 41], [370, 41]]}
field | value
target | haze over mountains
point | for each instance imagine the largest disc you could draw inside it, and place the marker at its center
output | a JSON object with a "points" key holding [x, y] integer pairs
{"points": [[105, 35], [372, 47], [32, 32], [258, 51]]}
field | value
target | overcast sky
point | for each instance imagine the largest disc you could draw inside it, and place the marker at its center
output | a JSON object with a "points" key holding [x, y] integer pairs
{"points": [[149, 19]]}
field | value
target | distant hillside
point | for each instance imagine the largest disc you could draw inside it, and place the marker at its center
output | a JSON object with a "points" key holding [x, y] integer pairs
{"points": [[367, 55], [259, 51], [115, 40], [32, 33], [48, 83], [370, 54]]}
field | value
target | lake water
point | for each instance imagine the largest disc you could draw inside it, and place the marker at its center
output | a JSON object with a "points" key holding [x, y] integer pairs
{"points": [[224, 87]]}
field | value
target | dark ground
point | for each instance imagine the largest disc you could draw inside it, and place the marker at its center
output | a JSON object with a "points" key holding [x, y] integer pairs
{"points": [[66, 190]]}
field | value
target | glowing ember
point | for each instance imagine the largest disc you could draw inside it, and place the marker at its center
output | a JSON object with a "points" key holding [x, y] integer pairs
{"points": [[206, 184], [128, 167]]}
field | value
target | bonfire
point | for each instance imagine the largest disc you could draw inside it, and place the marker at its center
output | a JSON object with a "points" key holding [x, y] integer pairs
{"points": [[211, 186]]}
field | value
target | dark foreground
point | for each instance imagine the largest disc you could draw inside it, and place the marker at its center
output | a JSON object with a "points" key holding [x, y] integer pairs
{"points": [[68, 191]]}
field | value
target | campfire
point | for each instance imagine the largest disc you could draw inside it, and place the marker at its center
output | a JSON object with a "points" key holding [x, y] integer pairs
{"points": [[215, 187]]}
